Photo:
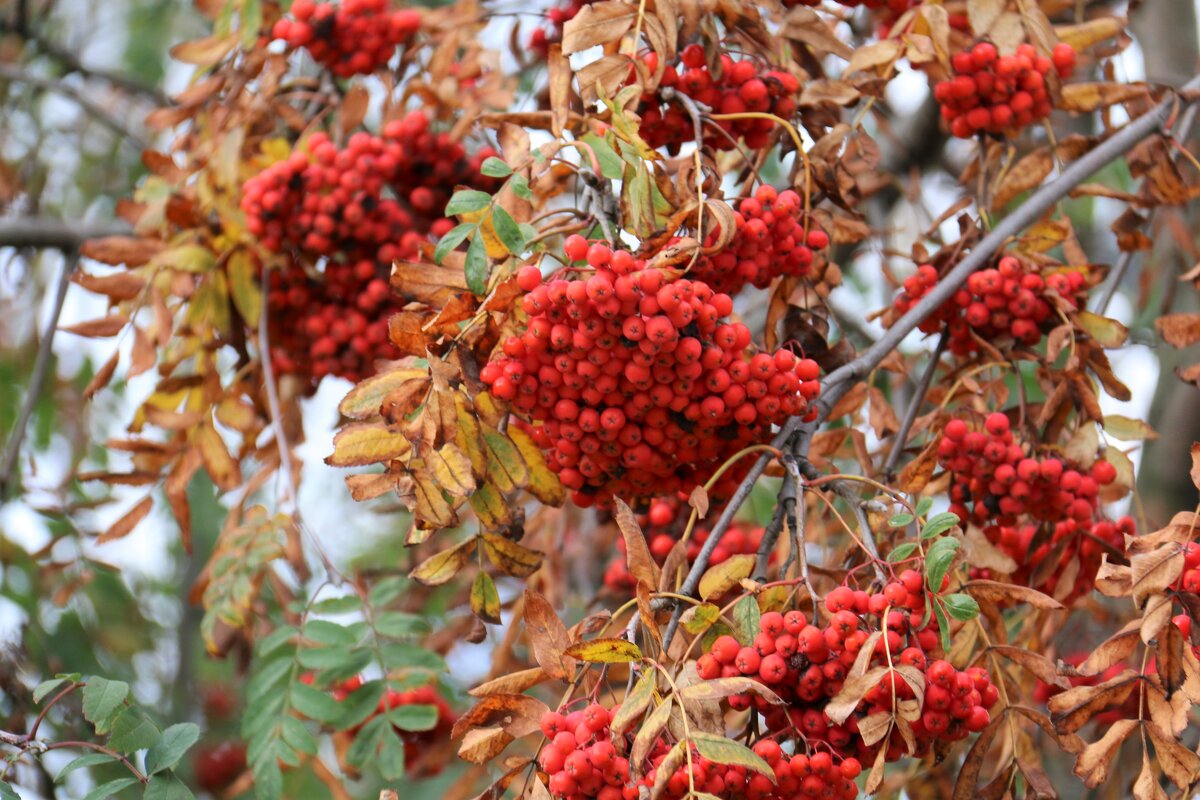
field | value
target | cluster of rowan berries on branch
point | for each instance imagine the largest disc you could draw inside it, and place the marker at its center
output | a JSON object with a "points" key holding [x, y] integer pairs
{"points": [[353, 210], [773, 237], [353, 37], [1000, 94], [1016, 299], [734, 87], [808, 664], [995, 484], [639, 386]]}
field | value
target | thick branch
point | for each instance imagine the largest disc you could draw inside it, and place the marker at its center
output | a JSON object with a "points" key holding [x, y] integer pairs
{"points": [[840, 380], [56, 233], [12, 72]]}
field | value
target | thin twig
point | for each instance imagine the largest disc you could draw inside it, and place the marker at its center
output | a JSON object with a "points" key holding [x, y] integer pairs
{"points": [[37, 381], [12, 72], [918, 398], [798, 523], [787, 497], [868, 537], [840, 380]]}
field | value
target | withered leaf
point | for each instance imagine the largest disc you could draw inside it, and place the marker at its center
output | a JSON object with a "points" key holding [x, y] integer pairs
{"points": [[599, 23], [517, 714], [637, 553], [1178, 763], [1179, 330], [1075, 707], [128, 521], [547, 636], [1093, 763]]}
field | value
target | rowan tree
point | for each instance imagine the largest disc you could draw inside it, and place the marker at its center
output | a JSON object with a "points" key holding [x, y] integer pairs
{"points": [[732, 379]]}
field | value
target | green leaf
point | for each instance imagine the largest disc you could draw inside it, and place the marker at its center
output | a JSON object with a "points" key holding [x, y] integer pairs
{"points": [[268, 675], [107, 790], [313, 703], [745, 619], [943, 626], [175, 741], [901, 520], [495, 168], [923, 506], [939, 523], [298, 736], [366, 742], [453, 238], [724, 750], [401, 625], [902, 551], [337, 605], [360, 704], [508, 231], [520, 186], [477, 266], [7, 792], [611, 165], [46, 687], [85, 760], [413, 717], [324, 632], [705, 616], [167, 787], [101, 699], [391, 755], [387, 590], [275, 639], [962, 607], [937, 561], [268, 779], [334, 658], [465, 201], [410, 656], [133, 731]]}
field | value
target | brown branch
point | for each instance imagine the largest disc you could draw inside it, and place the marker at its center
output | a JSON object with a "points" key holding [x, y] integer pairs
{"points": [[918, 398], [15, 73], [56, 233], [838, 382]]}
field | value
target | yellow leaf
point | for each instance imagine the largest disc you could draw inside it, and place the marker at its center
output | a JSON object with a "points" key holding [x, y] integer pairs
{"points": [[605, 651], [505, 466], [452, 469], [429, 502], [220, 465], [724, 576], [511, 558], [491, 507], [366, 443], [364, 400], [485, 600], [543, 484]]}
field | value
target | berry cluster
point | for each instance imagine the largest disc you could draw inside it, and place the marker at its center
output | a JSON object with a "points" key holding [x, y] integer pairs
{"points": [[641, 389], [556, 17], [580, 758], [740, 539], [352, 210], [355, 37], [771, 239], [738, 87], [796, 777], [996, 94], [1189, 580], [1013, 299], [990, 471], [807, 664]]}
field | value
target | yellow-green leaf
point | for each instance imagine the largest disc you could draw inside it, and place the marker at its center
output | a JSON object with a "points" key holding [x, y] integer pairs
{"points": [[220, 465], [491, 507], [505, 466], [441, 567], [511, 558], [636, 702], [363, 400], [605, 651], [723, 750], [452, 470], [543, 484], [724, 576], [1107, 332], [186, 258], [485, 600], [243, 286], [1127, 429]]}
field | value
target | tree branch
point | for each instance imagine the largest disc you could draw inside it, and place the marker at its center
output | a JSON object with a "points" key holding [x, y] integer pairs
{"points": [[13, 72], [913, 407], [71, 63], [37, 381], [56, 233], [838, 382]]}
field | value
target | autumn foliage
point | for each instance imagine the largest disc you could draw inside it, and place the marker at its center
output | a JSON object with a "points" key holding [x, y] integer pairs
{"points": [[723, 536]]}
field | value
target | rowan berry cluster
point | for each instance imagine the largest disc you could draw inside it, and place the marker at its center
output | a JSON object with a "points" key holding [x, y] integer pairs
{"points": [[996, 94], [796, 777], [740, 539], [736, 88], [556, 17], [995, 484], [640, 388], [807, 664], [352, 211], [580, 758], [1189, 579], [1014, 299], [772, 239], [354, 37]]}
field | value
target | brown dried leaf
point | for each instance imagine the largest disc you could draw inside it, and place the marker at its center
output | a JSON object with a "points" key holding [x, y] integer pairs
{"points": [[128, 521], [996, 592], [517, 714], [1084, 97], [547, 636], [1037, 664], [600, 23], [1093, 763], [1179, 330], [1154, 571], [1178, 763], [1113, 650], [642, 565], [481, 745], [1074, 708], [98, 328]]}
